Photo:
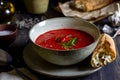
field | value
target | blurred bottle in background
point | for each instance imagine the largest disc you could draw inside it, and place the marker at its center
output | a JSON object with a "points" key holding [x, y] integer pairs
{"points": [[36, 6], [7, 11]]}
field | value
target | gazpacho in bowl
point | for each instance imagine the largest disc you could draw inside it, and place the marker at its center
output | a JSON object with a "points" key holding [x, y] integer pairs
{"points": [[64, 40]]}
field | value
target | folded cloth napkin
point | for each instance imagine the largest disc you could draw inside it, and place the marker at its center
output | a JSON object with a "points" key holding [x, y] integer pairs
{"points": [[13, 75]]}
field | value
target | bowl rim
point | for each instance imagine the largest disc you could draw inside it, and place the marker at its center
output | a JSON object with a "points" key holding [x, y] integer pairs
{"points": [[64, 18]]}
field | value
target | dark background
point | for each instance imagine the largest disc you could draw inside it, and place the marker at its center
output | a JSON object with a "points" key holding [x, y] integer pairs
{"points": [[109, 72]]}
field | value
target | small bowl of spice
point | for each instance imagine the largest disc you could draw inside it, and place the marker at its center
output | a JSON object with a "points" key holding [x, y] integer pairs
{"points": [[7, 34]]}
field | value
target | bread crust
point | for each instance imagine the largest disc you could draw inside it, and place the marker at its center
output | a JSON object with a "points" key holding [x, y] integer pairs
{"points": [[105, 51], [89, 5]]}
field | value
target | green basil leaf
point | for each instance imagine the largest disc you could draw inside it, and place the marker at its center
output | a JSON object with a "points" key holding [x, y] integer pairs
{"points": [[69, 44]]}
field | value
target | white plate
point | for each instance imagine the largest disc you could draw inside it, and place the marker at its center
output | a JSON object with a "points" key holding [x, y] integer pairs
{"points": [[37, 64]]}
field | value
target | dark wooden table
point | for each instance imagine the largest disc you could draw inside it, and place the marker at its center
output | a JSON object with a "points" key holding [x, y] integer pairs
{"points": [[108, 72]]}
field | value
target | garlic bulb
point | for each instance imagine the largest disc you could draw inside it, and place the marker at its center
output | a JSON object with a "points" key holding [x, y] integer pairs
{"points": [[115, 18], [107, 29]]}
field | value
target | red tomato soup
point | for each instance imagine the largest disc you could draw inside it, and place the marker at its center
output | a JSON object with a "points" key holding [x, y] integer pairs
{"points": [[64, 39]]}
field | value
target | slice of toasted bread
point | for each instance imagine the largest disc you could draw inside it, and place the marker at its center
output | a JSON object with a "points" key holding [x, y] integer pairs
{"points": [[89, 5], [105, 51]]}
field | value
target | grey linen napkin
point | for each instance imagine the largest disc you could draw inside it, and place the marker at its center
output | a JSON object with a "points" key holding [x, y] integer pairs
{"points": [[12, 75]]}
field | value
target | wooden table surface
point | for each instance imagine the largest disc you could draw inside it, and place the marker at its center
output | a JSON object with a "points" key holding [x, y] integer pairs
{"points": [[108, 72]]}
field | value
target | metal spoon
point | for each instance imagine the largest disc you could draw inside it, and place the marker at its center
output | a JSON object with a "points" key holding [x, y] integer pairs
{"points": [[6, 59], [116, 33]]}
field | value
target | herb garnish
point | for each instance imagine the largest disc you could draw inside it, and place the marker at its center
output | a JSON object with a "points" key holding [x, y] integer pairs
{"points": [[69, 44]]}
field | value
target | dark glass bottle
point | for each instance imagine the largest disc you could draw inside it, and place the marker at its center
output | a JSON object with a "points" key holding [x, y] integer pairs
{"points": [[7, 10]]}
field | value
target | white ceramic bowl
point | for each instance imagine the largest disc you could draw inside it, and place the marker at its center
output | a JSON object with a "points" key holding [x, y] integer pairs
{"points": [[65, 57]]}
